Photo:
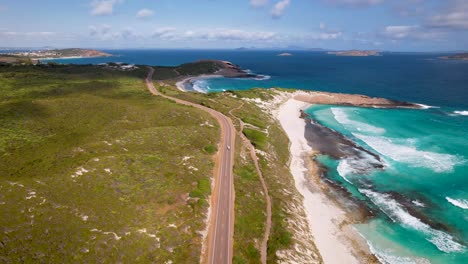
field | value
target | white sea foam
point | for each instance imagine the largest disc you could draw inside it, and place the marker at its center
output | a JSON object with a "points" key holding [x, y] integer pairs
{"points": [[356, 165], [262, 77], [259, 77], [462, 203], [423, 106], [463, 113], [407, 153], [200, 85], [418, 203], [344, 168], [443, 241], [342, 117], [387, 257]]}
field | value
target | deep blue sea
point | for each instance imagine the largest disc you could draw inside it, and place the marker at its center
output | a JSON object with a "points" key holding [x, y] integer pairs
{"points": [[421, 193]]}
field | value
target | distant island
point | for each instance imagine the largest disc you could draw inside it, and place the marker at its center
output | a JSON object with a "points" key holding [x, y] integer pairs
{"points": [[458, 56], [356, 53], [284, 54]]}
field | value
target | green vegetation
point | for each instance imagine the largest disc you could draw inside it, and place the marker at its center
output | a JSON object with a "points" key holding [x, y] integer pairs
{"points": [[5, 60], [198, 68], [254, 121], [95, 169], [210, 149], [267, 135], [250, 213], [258, 139], [187, 69]]}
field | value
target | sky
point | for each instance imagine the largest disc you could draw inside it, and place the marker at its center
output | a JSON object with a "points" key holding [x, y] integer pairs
{"points": [[397, 25]]}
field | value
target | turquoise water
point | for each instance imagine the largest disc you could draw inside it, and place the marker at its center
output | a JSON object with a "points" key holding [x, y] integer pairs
{"points": [[422, 192]]}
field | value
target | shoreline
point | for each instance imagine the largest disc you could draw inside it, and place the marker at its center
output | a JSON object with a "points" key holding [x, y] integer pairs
{"points": [[181, 84], [336, 239]]}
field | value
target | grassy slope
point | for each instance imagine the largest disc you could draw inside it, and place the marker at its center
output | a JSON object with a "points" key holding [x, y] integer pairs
{"points": [[250, 204], [89, 160]]}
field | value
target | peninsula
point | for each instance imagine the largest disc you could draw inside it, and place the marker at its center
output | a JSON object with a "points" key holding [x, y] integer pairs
{"points": [[60, 54]]}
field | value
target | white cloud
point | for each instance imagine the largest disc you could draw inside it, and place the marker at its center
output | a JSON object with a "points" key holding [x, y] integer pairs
{"points": [[279, 8], [144, 13], [324, 35], [105, 32], [103, 7], [413, 32], [230, 35], [128, 33], [213, 35], [322, 25], [26, 36], [399, 32], [165, 33], [455, 16], [258, 3], [355, 2], [102, 32]]}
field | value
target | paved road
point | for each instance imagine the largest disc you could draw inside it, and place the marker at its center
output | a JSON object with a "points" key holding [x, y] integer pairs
{"points": [[222, 217]]}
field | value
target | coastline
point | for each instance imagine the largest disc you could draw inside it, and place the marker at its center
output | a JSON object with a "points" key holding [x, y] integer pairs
{"points": [[335, 237], [181, 84]]}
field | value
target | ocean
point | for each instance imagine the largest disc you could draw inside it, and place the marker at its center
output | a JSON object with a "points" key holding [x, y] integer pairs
{"points": [[420, 188]]}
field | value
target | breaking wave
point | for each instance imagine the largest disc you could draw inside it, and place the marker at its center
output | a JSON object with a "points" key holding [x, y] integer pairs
{"points": [[258, 77], [201, 85], [407, 153], [443, 241], [423, 106], [462, 203], [462, 113], [342, 117], [385, 256]]}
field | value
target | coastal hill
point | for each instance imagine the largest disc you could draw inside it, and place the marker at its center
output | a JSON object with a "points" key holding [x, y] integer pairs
{"points": [[458, 56], [356, 53], [202, 67]]}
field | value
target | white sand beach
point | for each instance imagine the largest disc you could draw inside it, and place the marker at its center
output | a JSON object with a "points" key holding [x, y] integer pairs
{"points": [[323, 215]]}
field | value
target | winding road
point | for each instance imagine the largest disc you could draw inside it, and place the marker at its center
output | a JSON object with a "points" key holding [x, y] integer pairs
{"points": [[221, 230]]}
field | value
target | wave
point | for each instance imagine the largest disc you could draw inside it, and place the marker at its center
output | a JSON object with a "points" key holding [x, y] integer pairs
{"points": [[407, 153], [462, 203], [262, 77], [345, 168], [443, 241], [418, 203], [386, 257], [423, 106], [200, 85], [342, 117], [462, 113], [357, 165], [258, 77]]}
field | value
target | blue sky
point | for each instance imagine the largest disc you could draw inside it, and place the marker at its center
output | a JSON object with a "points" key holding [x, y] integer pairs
{"points": [[402, 25]]}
